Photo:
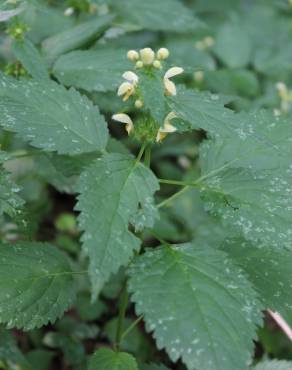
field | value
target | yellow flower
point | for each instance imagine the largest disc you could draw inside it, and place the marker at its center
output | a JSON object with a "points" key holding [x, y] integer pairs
{"points": [[124, 118], [167, 127], [128, 88], [169, 85], [147, 56]]}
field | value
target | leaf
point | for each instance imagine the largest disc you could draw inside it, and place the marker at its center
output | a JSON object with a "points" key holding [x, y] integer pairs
{"points": [[36, 284], [92, 70], [62, 171], [152, 94], [44, 21], [30, 58], [10, 202], [111, 191], [203, 111], [75, 37], [241, 187], [274, 365], [189, 296], [258, 205], [106, 359], [229, 36], [269, 270], [169, 15], [260, 141], [51, 117], [9, 352]]}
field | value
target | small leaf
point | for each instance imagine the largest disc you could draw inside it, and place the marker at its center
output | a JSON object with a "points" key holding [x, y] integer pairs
{"points": [[189, 295], [36, 284], [106, 359], [51, 117], [112, 190], [269, 270], [92, 70]]}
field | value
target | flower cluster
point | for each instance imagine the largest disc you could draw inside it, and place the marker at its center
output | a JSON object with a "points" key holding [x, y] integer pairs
{"points": [[147, 59], [285, 96]]}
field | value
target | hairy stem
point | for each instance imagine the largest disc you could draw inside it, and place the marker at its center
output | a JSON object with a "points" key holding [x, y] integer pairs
{"points": [[147, 157]]}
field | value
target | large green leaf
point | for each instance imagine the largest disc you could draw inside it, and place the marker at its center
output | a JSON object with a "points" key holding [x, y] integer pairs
{"points": [[189, 296], [274, 365], [75, 37], [169, 15], [36, 284], [240, 186], [92, 70], [106, 359], [51, 117], [269, 270], [113, 191]]}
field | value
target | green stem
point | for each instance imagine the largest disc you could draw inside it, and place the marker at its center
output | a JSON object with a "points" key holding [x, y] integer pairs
{"points": [[131, 327], [140, 154], [122, 313], [173, 197], [156, 236], [147, 158], [175, 182]]}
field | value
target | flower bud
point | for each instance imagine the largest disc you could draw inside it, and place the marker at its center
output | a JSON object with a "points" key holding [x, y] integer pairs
{"points": [[162, 53], [133, 55], [139, 64], [157, 64], [147, 56], [198, 76], [68, 12], [138, 104], [209, 41]]}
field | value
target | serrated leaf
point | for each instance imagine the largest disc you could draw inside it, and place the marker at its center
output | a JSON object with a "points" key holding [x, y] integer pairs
{"points": [[30, 58], [269, 270], [112, 190], [51, 117], [75, 37], [36, 284], [189, 295], [274, 365], [258, 205], [203, 111], [169, 15], [92, 70], [106, 359], [249, 192]]}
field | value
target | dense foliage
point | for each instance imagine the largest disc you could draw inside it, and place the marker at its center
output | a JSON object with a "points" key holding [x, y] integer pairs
{"points": [[146, 184]]}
